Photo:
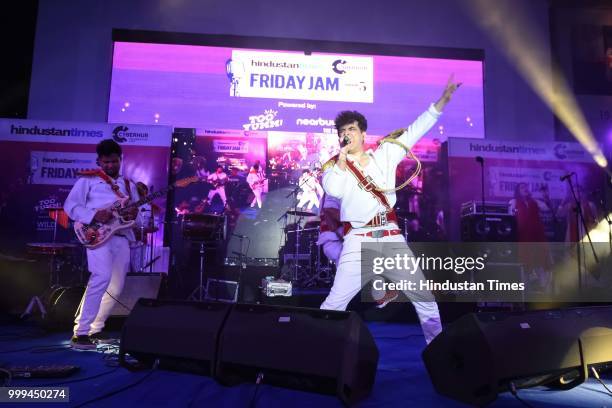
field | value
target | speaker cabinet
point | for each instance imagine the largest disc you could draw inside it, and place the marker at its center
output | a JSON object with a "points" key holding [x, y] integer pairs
{"points": [[181, 335], [490, 228], [315, 350], [480, 355], [137, 285]]}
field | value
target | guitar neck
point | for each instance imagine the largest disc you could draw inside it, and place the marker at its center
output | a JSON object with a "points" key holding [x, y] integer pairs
{"points": [[180, 183], [150, 197]]}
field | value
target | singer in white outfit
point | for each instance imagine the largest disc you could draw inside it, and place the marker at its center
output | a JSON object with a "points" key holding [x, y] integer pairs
{"points": [[366, 218], [108, 263], [311, 190]]}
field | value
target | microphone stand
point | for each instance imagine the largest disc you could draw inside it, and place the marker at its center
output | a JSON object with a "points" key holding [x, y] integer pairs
{"points": [[297, 231], [483, 216], [604, 205], [580, 221], [242, 265]]}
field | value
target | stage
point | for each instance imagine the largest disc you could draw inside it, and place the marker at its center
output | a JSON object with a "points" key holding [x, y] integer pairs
{"points": [[401, 377]]}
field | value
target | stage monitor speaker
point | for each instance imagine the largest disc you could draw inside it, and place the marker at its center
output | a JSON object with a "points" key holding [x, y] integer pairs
{"points": [[493, 228], [315, 350], [181, 335], [480, 355], [137, 285]]}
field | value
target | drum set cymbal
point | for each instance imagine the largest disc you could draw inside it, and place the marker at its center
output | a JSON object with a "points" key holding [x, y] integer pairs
{"points": [[50, 248], [300, 213]]}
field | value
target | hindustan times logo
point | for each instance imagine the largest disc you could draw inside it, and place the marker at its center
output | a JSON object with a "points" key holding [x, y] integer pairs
{"points": [[53, 131], [476, 147]]}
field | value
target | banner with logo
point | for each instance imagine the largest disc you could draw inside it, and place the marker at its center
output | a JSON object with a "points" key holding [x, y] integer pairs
{"points": [[541, 166], [40, 166], [265, 74]]}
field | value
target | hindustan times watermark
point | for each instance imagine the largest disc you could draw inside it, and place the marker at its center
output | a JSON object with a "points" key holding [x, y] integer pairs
{"points": [[486, 272]]}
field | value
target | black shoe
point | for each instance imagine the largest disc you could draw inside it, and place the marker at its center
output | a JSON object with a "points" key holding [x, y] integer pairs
{"points": [[101, 337], [82, 342]]}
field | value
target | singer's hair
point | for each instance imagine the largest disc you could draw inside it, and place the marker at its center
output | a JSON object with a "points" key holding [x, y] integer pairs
{"points": [[108, 147], [346, 117]]}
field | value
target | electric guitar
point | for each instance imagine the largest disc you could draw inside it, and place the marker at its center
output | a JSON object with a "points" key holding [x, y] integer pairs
{"points": [[94, 234], [258, 183], [216, 183]]}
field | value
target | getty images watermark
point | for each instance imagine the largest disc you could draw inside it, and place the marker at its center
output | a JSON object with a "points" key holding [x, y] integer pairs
{"points": [[486, 272], [411, 264]]}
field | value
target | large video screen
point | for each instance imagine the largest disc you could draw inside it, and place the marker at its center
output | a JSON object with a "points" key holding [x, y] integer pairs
{"points": [[215, 87], [271, 102]]}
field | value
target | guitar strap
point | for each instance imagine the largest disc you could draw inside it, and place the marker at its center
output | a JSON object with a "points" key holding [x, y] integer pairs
{"points": [[100, 173], [126, 181], [366, 183]]}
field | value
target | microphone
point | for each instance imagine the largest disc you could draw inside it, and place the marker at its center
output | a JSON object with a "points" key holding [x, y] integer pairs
{"points": [[568, 175], [238, 236], [480, 160], [345, 140]]}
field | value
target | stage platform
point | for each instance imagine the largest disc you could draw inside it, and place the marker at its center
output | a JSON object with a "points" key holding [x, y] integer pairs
{"points": [[401, 378]]}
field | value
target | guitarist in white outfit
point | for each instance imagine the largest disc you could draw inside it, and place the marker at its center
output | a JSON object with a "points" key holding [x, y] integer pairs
{"points": [[218, 180], [255, 180], [109, 262]]}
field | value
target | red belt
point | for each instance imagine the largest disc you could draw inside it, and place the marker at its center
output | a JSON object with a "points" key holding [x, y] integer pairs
{"points": [[375, 222], [381, 233]]}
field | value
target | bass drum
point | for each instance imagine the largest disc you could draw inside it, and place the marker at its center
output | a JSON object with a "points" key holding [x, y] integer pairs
{"points": [[203, 227], [62, 307]]}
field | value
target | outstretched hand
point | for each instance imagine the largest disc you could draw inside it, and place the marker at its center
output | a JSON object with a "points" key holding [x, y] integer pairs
{"points": [[449, 90], [451, 87]]}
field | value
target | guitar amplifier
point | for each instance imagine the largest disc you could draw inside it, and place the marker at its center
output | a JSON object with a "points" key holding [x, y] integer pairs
{"points": [[488, 228], [137, 285], [490, 207]]}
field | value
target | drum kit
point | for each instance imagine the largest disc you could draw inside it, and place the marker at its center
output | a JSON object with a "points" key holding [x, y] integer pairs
{"points": [[58, 255], [302, 260]]}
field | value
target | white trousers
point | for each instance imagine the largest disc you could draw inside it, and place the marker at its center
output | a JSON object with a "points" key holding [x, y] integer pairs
{"points": [[257, 199], [220, 191], [108, 266], [309, 197], [349, 279]]}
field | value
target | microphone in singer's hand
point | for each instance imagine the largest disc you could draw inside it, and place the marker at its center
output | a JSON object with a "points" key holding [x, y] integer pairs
{"points": [[345, 140]]}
